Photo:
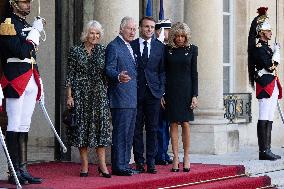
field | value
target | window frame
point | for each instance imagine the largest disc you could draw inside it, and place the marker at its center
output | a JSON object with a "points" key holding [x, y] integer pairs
{"points": [[230, 64]]}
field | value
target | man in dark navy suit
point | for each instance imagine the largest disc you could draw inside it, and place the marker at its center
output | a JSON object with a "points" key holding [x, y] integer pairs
{"points": [[121, 72], [151, 84]]}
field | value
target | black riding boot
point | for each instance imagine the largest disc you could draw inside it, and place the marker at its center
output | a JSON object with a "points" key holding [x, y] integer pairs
{"points": [[12, 146], [264, 153], [23, 142], [268, 139]]}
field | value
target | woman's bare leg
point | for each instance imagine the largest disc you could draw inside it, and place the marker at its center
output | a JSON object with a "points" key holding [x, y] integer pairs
{"points": [[84, 159], [186, 143], [174, 141], [101, 152]]}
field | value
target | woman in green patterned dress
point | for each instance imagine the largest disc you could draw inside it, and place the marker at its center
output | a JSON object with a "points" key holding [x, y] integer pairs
{"points": [[87, 93]]}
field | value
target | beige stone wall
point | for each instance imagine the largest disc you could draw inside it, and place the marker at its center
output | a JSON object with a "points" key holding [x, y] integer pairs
{"points": [[110, 12], [40, 133], [173, 10], [89, 10], [207, 34]]}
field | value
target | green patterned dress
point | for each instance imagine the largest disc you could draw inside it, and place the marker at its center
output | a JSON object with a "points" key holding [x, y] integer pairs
{"points": [[86, 77]]}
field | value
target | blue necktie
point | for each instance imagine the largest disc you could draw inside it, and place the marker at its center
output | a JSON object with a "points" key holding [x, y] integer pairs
{"points": [[145, 52]]}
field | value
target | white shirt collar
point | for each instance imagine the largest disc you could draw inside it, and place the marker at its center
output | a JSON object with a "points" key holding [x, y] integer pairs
{"points": [[142, 40], [123, 40]]}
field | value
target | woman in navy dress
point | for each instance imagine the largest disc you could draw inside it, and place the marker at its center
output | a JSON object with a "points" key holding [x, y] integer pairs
{"points": [[181, 88]]}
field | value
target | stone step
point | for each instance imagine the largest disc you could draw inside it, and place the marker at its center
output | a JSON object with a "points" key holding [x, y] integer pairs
{"points": [[248, 156], [277, 178]]}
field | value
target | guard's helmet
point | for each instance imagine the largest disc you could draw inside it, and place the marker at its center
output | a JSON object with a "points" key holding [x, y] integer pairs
{"points": [[262, 24], [163, 24], [16, 1], [259, 23]]}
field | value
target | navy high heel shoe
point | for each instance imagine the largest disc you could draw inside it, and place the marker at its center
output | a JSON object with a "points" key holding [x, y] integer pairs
{"points": [[175, 169], [186, 169], [102, 174], [84, 174]]}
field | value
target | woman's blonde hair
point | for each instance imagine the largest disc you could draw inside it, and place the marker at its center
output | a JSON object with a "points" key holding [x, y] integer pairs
{"points": [[91, 24], [179, 28]]}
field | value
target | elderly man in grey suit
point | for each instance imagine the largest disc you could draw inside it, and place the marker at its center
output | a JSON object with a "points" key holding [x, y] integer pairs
{"points": [[121, 72]]}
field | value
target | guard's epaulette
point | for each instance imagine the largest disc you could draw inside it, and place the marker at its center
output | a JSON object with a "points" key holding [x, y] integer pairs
{"points": [[7, 28], [258, 45]]}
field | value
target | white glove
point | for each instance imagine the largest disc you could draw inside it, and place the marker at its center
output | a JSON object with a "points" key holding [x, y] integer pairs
{"points": [[38, 24], [275, 46], [162, 35], [34, 34], [276, 52]]}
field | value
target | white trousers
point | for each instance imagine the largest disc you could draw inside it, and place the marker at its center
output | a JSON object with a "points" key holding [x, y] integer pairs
{"points": [[20, 110], [267, 106]]}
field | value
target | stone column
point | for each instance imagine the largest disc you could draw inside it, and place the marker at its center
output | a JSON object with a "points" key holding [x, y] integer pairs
{"points": [[40, 134], [173, 10], [88, 11], [209, 132], [110, 12]]}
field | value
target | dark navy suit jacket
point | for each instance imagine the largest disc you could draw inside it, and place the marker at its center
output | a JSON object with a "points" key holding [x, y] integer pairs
{"points": [[153, 69], [263, 60], [119, 58]]}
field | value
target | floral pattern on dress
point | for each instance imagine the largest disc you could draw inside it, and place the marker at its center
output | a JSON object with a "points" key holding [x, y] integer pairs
{"points": [[86, 77]]}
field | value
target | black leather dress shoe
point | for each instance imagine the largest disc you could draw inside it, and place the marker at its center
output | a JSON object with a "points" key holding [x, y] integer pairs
{"points": [[267, 155], [84, 174], [133, 171], [140, 167], [151, 169], [122, 173], [32, 180], [22, 180], [161, 162]]}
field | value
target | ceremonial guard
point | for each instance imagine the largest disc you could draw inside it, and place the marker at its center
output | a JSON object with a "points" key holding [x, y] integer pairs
{"points": [[162, 29], [21, 83], [262, 63]]}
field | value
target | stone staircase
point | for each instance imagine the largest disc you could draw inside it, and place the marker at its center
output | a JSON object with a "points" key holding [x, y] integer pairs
{"points": [[248, 156]]}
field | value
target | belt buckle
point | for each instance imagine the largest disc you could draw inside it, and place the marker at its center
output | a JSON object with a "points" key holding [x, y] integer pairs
{"points": [[33, 61]]}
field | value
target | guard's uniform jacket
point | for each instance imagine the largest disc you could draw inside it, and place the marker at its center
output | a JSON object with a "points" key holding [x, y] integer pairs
{"points": [[265, 71], [18, 60]]}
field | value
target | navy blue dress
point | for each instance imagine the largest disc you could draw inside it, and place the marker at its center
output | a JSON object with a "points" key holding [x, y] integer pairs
{"points": [[181, 82]]}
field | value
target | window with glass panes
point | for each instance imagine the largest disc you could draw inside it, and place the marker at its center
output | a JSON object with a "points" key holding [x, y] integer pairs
{"points": [[227, 46]]}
